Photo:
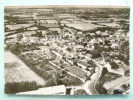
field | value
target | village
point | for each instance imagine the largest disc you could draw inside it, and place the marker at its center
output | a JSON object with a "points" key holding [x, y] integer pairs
{"points": [[82, 51]]}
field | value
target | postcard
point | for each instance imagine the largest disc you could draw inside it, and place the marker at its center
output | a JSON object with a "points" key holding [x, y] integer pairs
{"points": [[66, 50]]}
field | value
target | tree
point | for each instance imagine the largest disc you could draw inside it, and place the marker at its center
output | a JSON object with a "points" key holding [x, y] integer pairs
{"points": [[121, 57], [75, 63], [114, 65], [107, 42], [39, 34], [87, 77], [95, 53], [19, 36], [104, 71], [15, 87], [97, 46], [15, 48], [84, 44], [6, 29], [126, 61], [77, 38], [87, 51], [64, 71], [69, 49]]}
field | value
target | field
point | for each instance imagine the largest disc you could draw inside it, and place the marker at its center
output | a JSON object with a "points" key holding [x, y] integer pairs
{"points": [[17, 71], [77, 71], [84, 27], [18, 26]]}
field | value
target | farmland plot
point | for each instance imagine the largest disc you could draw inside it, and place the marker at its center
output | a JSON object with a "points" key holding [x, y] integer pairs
{"points": [[17, 71]]}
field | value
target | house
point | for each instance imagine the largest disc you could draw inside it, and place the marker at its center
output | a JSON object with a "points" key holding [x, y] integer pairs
{"points": [[54, 90]]}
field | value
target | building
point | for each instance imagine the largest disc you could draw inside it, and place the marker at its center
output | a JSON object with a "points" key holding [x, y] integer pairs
{"points": [[52, 35], [54, 90]]}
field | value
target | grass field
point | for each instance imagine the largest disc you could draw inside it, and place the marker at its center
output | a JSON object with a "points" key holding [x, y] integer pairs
{"points": [[17, 71]]}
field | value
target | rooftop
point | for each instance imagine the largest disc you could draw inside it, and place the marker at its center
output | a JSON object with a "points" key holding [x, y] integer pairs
{"points": [[60, 89]]}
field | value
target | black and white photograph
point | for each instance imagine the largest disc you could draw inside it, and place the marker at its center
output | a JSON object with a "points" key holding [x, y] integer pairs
{"points": [[66, 50]]}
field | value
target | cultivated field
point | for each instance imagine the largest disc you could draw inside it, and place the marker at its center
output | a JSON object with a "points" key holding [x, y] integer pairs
{"points": [[17, 71]]}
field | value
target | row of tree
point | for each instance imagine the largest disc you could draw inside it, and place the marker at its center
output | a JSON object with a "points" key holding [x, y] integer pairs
{"points": [[15, 87], [18, 48]]}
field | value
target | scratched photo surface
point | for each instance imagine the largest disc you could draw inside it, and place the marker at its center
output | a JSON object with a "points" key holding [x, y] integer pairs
{"points": [[66, 50]]}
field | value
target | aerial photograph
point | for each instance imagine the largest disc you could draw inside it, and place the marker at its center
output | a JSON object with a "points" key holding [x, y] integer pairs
{"points": [[66, 50]]}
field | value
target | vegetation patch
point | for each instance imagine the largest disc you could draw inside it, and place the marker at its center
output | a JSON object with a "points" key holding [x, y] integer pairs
{"points": [[16, 87]]}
